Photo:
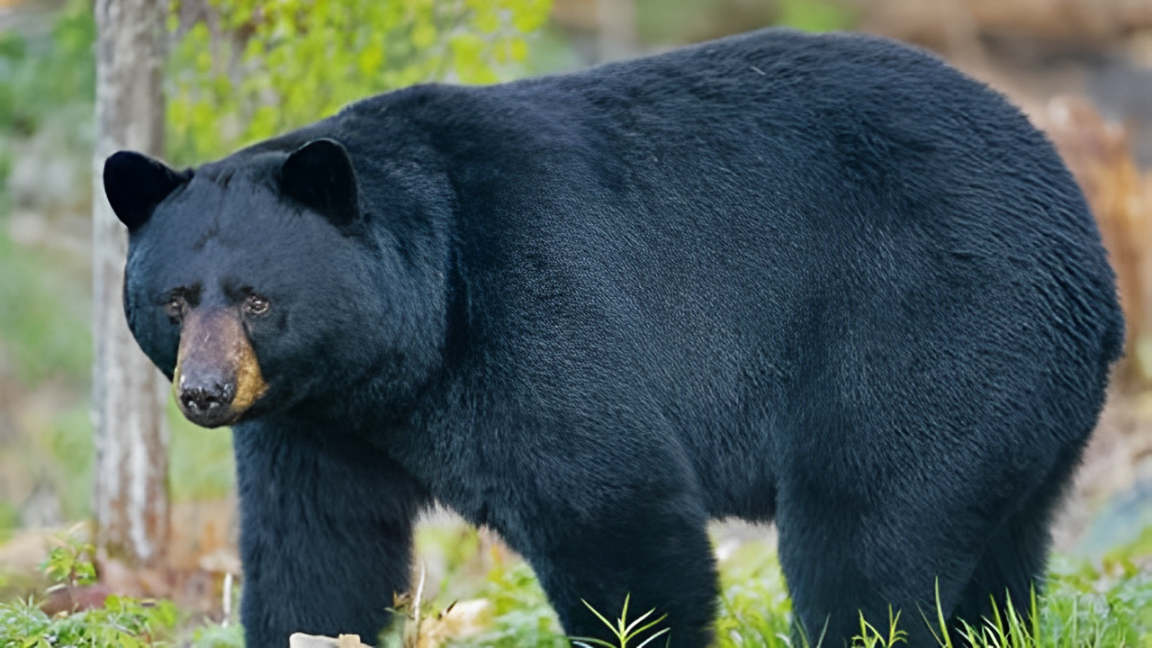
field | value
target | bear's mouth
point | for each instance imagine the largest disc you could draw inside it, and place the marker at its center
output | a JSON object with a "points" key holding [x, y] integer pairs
{"points": [[217, 377]]}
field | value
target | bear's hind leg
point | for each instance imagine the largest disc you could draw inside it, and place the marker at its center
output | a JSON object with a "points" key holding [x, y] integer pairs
{"points": [[667, 570], [654, 550], [1014, 560], [1010, 567], [843, 558]]}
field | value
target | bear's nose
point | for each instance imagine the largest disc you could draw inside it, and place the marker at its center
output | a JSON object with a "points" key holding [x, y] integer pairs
{"points": [[206, 400]]}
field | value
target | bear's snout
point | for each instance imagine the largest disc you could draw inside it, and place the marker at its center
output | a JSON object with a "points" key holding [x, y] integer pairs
{"points": [[217, 376]]}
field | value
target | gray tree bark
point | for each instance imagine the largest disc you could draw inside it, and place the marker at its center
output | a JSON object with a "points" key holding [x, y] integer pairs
{"points": [[131, 495], [617, 26]]}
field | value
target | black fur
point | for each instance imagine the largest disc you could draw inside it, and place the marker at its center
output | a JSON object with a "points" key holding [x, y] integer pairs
{"points": [[825, 280], [135, 184], [320, 176]]}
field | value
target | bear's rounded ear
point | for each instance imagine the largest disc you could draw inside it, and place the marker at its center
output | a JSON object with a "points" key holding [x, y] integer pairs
{"points": [[320, 176], [136, 183]]}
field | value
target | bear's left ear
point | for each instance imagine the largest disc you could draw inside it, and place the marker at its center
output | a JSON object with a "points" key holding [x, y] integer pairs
{"points": [[136, 183], [319, 175]]}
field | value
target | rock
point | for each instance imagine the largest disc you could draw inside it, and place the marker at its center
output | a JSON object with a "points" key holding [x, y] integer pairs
{"points": [[301, 640]]}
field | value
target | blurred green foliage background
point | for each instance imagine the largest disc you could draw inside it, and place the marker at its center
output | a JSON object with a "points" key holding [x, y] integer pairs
{"points": [[250, 69]]}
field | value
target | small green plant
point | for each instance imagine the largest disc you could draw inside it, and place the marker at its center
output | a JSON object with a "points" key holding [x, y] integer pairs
{"points": [[69, 564], [626, 632], [1008, 629], [120, 622], [944, 638], [871, 637]]}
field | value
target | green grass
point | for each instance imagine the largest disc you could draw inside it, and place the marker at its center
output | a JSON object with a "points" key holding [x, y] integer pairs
{"points": [[1084, 606], [754, 606]]}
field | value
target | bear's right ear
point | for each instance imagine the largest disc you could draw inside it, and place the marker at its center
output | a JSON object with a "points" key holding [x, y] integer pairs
{"points": [[319, 175], [136, 183]]}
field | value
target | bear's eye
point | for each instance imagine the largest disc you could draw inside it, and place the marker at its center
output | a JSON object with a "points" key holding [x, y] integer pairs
{"points": [[175, 308], [256, 305]]}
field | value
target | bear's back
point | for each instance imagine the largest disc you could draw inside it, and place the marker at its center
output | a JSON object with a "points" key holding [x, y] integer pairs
{"points": [[712, 239], [756, 178]]}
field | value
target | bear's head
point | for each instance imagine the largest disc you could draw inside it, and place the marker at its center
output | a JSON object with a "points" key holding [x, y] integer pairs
{"points": [[251, 282]]}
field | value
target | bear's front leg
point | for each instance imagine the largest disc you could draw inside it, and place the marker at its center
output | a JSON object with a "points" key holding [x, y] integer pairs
{"points": [[325, 531]]}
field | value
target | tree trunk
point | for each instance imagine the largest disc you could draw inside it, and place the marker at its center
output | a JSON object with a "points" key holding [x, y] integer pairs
{"points": [[617, 26], [131, 495]]}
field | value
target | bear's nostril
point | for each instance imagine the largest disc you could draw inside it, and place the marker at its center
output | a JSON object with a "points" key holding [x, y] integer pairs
{"points": [[188, 400], [199, 399]]}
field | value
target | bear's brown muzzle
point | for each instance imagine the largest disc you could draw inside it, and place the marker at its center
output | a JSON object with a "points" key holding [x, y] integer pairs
{"points": [[217, 376]]}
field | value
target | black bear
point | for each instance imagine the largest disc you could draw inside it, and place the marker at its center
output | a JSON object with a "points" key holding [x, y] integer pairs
{"points": [[822, 280]]}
